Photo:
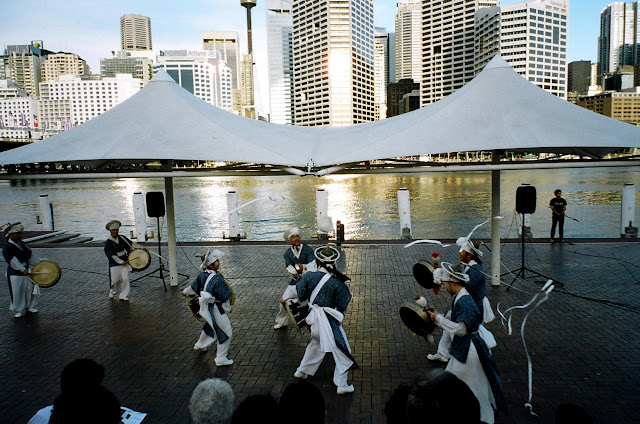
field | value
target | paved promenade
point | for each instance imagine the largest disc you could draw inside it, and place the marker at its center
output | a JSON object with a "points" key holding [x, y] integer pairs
{"points": [[584, 341]]}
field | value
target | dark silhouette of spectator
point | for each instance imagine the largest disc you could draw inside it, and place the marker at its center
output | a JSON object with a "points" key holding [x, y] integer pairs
{"points": [[96, 405], [568, 413], [302, 400], [261, 409], [212, 402], [437, 397], [77, 376]]}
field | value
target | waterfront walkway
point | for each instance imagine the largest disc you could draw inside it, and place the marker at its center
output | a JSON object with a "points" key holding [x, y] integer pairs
{"points": [[584, 341]]}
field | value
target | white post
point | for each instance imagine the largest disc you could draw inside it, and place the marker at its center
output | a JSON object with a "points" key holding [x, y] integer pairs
{"points": [[47, 212], [234, 217], [140, 216], [404, 211], [628, 207], [322, 213], [171, 232], [495, 223]]}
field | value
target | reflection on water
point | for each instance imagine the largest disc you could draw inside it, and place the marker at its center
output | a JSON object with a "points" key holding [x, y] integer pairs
{"points": [[443, 204]]}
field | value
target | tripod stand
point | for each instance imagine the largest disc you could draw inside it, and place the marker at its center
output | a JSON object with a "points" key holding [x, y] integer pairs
{"points": [[521, 272], [161, 269]]}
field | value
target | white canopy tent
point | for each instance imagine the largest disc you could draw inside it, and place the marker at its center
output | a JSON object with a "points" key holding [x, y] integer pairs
{"points": [[498, 110]]}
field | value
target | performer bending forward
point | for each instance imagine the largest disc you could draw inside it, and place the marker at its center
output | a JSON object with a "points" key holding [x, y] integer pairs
{"points": [[471, 360], [328, 297], [215, 295], [299, 259]]}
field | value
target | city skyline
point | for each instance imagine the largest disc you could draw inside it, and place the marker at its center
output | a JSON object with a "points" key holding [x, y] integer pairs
{"points": [[93, 32]]}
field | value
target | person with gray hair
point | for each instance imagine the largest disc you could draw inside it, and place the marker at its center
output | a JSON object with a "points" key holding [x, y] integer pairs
{"points": [[212, 402]]}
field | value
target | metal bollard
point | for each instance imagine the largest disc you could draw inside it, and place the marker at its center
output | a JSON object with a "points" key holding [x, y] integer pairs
{"points": [[323, 221], [47, 212], [139, 216], [627, 230], [404, 210], [234, 217]]}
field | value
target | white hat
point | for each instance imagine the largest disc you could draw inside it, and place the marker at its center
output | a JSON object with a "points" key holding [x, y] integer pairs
{"points": [[211, 257], [466, 245], [293, 231], [14, 228], [113, 225], [327, 253], [454, 274]]}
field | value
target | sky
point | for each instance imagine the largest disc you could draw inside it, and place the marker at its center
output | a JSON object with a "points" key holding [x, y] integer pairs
{"points": [[91, 28]]}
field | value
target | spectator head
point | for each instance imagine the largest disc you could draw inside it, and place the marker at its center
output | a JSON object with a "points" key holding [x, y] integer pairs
{"points": [[442, 397], [257, 409], [95, 405], [80, 375], [303, 399], [212, 402], [570, 413], [395, 409]]}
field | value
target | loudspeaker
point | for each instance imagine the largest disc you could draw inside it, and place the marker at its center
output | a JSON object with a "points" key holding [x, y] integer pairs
{"points": [[526, 199], [155, 204]]}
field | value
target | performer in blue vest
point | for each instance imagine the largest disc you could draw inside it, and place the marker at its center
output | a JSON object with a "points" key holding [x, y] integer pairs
{"points": [[19, 259], [471, 360], [299, 259], [215, 296], [328, 297], [117, 249]]}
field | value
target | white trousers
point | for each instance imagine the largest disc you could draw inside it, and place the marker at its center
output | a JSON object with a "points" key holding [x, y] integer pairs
{"points": [[282, 318], [120, 280], [225, 325], [23, 297], [313, 357]]}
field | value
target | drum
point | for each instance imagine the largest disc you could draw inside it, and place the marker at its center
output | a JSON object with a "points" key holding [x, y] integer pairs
{"points": [[193, 304], [46, 273], [297, 313], [139, 259], [423, 273], [415, 317]]}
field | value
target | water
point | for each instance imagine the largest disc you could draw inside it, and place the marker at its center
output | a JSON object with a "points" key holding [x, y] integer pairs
{"points": [[443, 204]]}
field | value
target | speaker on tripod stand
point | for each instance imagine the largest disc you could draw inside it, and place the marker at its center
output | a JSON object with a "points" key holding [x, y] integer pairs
{"points": [[155, 209], [525, 204]]}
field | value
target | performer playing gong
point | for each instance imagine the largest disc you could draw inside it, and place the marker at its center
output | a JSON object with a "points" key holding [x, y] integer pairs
{"points": [[23, 293], [328, 297], [117, 249], [471, 360], [215, 297], [299, 259]]}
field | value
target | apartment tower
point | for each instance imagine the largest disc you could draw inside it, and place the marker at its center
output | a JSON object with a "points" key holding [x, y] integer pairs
{"points": [[408, 50], [135, 32], [280, 56], [619, 40]]}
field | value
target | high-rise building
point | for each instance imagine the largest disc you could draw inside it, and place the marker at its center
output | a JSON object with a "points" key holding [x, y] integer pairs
{"points": [[123, 62], [226, 42], [619, 40], [71, 100], [579, 76], [333, 62], [280, 57], [18, 112], [247, 98], [380, 72], [408, 51], [202, 73], [395, 93], [531, 36], [135, 32], [57, 64], [24, 64], [447, 46]]}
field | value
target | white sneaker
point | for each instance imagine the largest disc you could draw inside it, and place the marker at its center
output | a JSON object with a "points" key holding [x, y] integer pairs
{"points": [[300, 374], [343, 390], [436, 357], [33, 310], [18, 315], [224, 362], [279, 326], [202, 349], [126, 299], [110, 295]]}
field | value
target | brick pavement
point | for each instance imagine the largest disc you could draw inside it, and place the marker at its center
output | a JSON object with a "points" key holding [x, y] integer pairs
{"points": [[583, 351]]}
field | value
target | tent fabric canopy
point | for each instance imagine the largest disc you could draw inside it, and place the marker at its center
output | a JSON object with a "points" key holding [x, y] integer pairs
{"points": [[497, 110]]}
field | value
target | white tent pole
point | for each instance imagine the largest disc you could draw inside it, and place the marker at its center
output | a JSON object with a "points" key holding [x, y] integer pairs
{"points": [[495, 223], [171, 232]]}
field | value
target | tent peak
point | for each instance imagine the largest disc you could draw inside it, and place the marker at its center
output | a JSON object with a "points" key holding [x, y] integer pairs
{"points": [[497, 62], [162, 76]]}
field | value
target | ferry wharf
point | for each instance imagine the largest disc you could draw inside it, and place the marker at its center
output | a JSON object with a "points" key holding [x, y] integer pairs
{"points": [[583, 342]]}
